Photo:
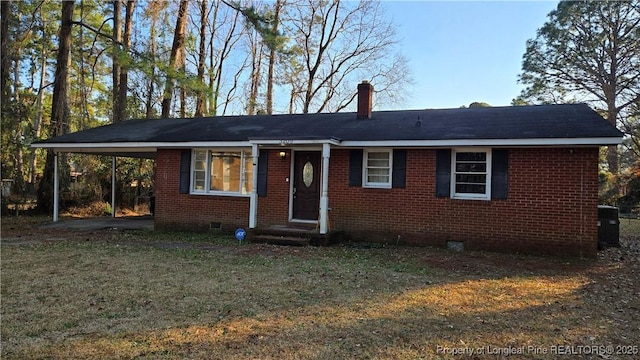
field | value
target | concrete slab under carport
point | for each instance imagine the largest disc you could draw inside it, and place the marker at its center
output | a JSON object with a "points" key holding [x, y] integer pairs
{"points": [[118, 223]]}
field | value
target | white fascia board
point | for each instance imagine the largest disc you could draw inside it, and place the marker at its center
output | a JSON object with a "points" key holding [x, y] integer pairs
{"points": [[137, 146], [92, 148], [287, 142], [153, 146], [486, 142]]}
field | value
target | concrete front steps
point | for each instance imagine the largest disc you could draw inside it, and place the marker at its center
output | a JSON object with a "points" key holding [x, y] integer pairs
{"points": [[293, 235]]}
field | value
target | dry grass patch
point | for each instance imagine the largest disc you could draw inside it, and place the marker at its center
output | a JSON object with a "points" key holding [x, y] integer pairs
{"points": [[170, 295]]}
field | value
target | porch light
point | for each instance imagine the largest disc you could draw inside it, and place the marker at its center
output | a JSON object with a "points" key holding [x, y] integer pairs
{"points": [[283, 155]]}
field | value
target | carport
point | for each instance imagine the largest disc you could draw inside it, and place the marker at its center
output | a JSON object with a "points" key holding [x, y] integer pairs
{"points": [[114, 150]]}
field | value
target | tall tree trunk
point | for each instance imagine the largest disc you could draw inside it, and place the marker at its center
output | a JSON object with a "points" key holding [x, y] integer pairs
{"points": [[183, 86], [610, 89], [175, 56], [256, 73], [19, 158], [5, 65], [213, 96], [612, 150], [152, 78], [154, 8], [39, 105], [123, 84], [59, 109], [202, 58], [292, 99], [272, 57], [19, 162], [117, 37]]}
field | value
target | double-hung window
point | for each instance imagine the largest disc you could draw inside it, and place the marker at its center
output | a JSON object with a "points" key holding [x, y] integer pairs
{"points": [[222, 172], [377, 168], [471, 175]]}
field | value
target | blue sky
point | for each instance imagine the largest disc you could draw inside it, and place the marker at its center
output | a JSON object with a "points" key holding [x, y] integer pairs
{"points": [[465, 51]]}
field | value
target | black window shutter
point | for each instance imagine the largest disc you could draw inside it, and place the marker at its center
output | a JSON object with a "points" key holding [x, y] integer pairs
{"points": [[185, 171], [355, 167], [399, 173], [443, 173], [499, 170], [262, 173]]}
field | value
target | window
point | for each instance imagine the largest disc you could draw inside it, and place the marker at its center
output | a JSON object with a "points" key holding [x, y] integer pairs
{"points": [[470, 178], [199, 170], [377, 169], [222, 172]]}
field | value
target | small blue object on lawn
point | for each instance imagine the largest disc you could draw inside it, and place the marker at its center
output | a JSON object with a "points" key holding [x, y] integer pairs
{"points": [[241, 234]]}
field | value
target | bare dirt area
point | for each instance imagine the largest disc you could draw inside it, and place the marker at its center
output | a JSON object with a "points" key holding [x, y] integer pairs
{"points": [[134, 293], [32, 230], [35, 229]]}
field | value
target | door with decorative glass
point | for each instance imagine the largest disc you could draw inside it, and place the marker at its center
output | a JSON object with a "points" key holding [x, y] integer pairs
{"points": [[306, 185]]}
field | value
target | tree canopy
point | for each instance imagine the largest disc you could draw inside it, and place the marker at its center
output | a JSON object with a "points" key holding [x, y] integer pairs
{"points": [[180, 58], [588, 51]]}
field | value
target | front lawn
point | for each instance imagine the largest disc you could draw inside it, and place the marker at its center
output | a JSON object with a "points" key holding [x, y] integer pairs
{"points": [[114, 294]]}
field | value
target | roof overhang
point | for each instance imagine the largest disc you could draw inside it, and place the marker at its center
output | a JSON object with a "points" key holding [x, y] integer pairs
{"points": [[100, 149], [149, 149], [132, 149], [487, 142]]}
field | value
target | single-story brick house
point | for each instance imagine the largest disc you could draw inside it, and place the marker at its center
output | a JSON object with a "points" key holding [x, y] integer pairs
{"points": [[517, 179]]}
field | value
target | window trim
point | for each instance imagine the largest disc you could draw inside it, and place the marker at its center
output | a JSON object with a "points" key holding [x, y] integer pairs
{"points": [[365, 158], [473, 196], [244, 155]]}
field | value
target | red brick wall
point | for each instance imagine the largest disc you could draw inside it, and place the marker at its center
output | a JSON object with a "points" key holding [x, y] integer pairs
{"points": [[551, 206], [192, 212], [273, 209]]}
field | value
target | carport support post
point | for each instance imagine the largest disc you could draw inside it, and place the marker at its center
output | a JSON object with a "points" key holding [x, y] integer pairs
{"points": [[113, 186], [56, 195], [324, 195]]}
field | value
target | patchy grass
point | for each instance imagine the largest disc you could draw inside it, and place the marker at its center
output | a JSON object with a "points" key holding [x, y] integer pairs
{"points": [[109, 294]]}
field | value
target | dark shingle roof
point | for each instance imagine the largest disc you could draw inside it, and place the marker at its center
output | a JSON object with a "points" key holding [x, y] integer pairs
{"points": [[520, 122]]}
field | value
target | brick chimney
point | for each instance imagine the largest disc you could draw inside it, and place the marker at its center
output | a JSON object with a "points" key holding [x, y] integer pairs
{"points": [[365, 97]]}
